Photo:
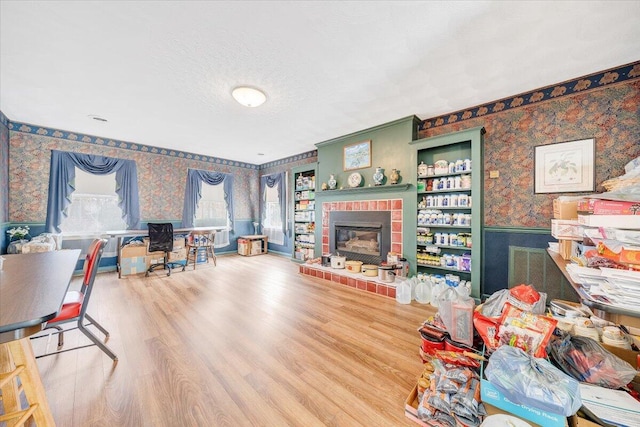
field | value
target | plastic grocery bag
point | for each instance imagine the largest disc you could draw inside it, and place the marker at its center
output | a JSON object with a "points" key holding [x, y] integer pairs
{"points": [[586, 360], [534, 382], [456, 311]]}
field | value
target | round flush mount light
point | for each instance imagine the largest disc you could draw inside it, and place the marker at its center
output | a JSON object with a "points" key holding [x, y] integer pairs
{"points": [[248, 96]]}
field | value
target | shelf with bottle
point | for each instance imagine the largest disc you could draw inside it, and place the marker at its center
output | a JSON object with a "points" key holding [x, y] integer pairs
{"points": [[446, 218], [444, 167], [305, 195], [454, 200], [457, 183], [445, 175], [437, 218], [305, 245], [305, 205], [426, 238], [428, 246], [460, 263], [440, 267], [304, 216]]}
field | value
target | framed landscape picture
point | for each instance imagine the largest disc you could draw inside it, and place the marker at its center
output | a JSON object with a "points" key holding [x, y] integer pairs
{"points": [[565, 167], [357, 156]]}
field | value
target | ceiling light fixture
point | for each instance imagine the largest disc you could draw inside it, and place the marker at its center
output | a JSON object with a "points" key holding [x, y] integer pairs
{"points": [[248, 96]]}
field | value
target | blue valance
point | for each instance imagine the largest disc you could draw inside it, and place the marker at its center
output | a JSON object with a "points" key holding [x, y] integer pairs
{"points": [[275, 180], [193, 193], [62, 175]]}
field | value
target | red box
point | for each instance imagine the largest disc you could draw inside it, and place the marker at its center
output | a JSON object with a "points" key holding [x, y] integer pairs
{"points": [[608, 207]]}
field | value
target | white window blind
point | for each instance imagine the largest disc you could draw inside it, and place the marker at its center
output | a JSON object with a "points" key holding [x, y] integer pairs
{"points": [[94, 205], [212, 212], [272, 226]]}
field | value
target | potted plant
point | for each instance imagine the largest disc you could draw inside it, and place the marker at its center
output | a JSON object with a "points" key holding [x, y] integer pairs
{"points": [[18, 236]]}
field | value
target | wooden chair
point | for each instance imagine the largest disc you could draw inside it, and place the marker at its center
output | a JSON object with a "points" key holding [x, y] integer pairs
{"points": [[201, 240], [74, 307]]}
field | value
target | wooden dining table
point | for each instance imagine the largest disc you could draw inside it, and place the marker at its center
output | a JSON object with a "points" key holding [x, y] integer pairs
{"points": [[32, 289]]}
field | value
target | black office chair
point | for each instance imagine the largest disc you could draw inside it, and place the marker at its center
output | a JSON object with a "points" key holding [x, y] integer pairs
{"points": [[161, 239]]}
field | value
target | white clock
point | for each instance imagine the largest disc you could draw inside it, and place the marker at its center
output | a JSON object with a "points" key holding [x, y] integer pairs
{"points": [[355, 179]]}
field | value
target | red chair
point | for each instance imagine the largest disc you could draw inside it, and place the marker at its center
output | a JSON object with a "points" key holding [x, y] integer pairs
{"points": [[74, 307]]}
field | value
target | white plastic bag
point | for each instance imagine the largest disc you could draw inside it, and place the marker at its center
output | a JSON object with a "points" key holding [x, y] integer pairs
{"points": [[534, 382], [456, 311]]}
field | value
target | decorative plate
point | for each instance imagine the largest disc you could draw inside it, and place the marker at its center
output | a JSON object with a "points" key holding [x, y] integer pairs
{"points": [[355, 179]]}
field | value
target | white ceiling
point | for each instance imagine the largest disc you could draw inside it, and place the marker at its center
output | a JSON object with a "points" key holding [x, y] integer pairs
{"points": [[162, 72]]}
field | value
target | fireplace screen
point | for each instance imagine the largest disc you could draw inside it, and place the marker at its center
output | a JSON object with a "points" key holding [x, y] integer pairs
{"points": [[360, 240], [363, 236]]}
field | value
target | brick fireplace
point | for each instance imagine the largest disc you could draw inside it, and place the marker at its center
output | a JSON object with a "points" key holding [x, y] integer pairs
{"points": [[359, 281]]}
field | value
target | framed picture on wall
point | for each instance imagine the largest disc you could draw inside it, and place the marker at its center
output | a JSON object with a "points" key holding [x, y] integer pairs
{"points": [[357, 156], [565, 167]]}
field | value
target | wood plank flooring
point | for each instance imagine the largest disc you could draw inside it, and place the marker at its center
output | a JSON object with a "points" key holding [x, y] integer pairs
{"points": [[247, 343]]}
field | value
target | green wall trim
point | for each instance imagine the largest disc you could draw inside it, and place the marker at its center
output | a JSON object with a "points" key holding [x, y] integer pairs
{"points": [[342, 138], [528, 230]]}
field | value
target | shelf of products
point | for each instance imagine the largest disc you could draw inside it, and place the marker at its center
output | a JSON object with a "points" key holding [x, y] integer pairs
{"points": [[449, 206], [304, 213]]}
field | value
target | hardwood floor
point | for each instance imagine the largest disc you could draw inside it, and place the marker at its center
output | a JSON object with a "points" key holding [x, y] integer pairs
{"points": [[247, 343]]}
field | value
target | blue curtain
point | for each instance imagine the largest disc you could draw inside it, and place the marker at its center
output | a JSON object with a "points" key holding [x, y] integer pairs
{"points": [[62, 175], [193, 193], [273, 180]]}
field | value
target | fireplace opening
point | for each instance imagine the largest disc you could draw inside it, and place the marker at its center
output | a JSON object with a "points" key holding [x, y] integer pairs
{"points": [[362, 236]]}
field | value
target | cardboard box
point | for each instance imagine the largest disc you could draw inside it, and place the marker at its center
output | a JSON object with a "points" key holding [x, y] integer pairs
{"points": [[494, 397], [179, 255], [411, 412], [133, 250], [614, 221], [243, 247], [608, 207], [179, 243], [256, 247], [154, 258], [133, 265], [630, 356], [566, 229], [565, 209]]}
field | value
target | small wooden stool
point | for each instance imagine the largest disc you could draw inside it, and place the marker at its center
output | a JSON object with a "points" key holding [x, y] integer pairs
{"points": [[201, 240], [17, 361]]}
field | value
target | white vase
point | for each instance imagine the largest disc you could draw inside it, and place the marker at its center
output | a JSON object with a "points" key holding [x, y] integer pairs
{"points": [[378, 176], [332, 182]]}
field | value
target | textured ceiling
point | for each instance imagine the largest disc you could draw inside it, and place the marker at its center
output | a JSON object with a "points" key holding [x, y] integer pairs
{"points": [[162, 72]]}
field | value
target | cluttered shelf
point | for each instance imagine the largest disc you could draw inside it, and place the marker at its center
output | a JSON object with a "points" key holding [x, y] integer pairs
{"points": [[610, 312]]}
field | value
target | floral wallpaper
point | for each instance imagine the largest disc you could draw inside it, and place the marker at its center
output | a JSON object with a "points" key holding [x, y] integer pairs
{"points": [[161, 178], [4, 169], [609, 113]]}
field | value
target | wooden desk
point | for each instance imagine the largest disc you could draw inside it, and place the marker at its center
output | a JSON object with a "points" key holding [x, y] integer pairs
{"points": [[256, 244], [120, 234], [32, 288]]}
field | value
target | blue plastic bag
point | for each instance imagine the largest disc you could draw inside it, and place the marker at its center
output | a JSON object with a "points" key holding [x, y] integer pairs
{"points": [[533, 382]]}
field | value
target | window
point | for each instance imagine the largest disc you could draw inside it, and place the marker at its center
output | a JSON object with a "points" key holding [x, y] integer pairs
{"points": [[272, 220], [94, 205], [212, 211]]}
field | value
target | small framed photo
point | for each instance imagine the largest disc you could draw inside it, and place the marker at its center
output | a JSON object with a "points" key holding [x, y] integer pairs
{"points": [[357, 156], [565, 167]]}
